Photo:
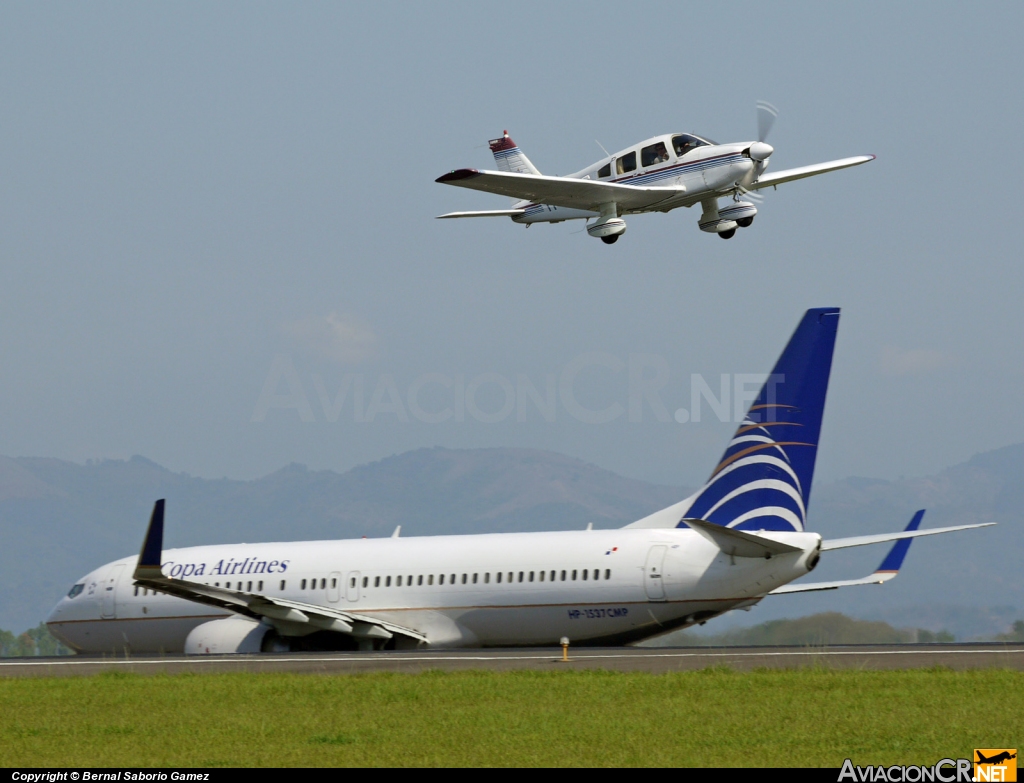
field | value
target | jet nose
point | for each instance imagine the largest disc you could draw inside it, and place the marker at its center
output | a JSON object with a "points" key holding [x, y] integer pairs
{"points": [[760, 151]]}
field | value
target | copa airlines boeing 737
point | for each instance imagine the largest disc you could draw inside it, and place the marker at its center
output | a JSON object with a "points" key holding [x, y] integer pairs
{"points": [[739, 538]]}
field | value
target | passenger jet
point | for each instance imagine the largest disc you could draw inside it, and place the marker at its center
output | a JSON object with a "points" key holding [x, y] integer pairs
{"points": [[741, 538]]}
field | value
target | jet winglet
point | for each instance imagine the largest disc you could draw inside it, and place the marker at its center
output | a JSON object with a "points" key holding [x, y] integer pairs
{"points": [[889, 568], [893, 560], [153, 545]]}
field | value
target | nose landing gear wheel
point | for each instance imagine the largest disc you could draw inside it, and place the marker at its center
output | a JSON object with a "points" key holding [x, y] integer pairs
{"points": [[728, 234], [610, 240]]}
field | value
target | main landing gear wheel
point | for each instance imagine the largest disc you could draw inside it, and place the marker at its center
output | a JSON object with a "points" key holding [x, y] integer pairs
{"points": [[727, 234], [744, 222], [610, 240]]}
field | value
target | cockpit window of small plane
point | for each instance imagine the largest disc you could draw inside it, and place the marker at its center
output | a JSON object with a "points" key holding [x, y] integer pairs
{"points": [[605, 171], [654, 154], [77, 589], [626, 163], [684, 143]]}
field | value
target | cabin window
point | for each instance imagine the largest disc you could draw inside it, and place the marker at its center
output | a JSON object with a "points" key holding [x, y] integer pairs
{"points": [[487, 578], [654, 154], [605, 170], [260, 587], [376, 581], [366, 581], [136, 589], [607, 573], [574, 575], [419, 579], [464, 578], [511, 577], [440, 579], [584, 574], [563, 576], [497, 577], [541, 576], [249, 586], [303, 584], [408, 580], [474, 578], [452, 580], [334, 582], [399, 582], [387, 582], [531, 576], [626, 163], [684, 143], [553, 576], [282, 584], [520, 576], [323, 583]]}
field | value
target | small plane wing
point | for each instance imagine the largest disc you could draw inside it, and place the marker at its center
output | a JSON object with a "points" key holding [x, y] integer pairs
{"points": [[483, 213], [278, 611], [559, 191], [890, 565], [788, 175]]}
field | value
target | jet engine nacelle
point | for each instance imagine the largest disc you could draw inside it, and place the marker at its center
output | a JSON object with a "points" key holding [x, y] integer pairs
{"points": [[741, 211], [230, 635], [607, 227]]}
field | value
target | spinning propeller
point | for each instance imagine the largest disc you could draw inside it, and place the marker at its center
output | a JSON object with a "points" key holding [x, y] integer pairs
{"points": [[761, 150]]}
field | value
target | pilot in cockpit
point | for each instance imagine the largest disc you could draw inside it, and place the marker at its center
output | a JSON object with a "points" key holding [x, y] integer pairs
{"points": [[660, 153]]}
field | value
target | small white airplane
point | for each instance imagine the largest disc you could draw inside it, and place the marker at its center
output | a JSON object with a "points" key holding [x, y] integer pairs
{"points": [[656, 175], [740, 538]]}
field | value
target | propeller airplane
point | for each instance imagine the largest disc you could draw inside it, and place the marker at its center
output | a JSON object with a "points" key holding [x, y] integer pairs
{"points": [[656, 175]]}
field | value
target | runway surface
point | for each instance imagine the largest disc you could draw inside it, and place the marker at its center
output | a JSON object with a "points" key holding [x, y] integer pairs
{"points": [[656, 660]]}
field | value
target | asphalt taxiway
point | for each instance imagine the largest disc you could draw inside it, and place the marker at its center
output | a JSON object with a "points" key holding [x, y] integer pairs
{"points": [[655, 660]]}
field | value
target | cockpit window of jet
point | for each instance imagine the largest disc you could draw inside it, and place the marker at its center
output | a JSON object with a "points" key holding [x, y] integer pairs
{"points": [[741, 538]]}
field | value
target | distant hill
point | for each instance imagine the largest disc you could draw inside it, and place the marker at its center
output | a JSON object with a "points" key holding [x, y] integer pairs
{"points": [[818, 630], [59, 520]]}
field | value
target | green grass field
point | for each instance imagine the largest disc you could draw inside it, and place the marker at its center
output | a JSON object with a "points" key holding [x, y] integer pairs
{"points": [[580, 718]]}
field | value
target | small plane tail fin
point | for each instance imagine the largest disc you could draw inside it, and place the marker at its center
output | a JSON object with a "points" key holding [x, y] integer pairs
{"points": [[509, 157]]}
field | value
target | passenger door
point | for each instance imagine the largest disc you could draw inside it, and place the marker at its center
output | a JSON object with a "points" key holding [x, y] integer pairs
{"points": [[108, 591], [654, 578]]}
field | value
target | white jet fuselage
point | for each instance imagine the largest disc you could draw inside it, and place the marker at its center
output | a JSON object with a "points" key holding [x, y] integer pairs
{"points": [[595, 586]]}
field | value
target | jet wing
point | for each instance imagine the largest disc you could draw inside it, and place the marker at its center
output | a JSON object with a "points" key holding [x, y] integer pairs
{"points": [[281, 612], [843, 543], [788, 175], [890, 566], [560, 191]]}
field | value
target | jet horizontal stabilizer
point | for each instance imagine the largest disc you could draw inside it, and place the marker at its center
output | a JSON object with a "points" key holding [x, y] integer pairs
{"points": [[738, 543]]}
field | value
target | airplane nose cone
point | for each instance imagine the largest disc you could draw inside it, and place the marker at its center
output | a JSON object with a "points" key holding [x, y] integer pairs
{"points": [[761, 151]]}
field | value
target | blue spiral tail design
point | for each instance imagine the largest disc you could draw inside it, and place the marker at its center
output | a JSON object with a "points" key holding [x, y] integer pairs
{"points": [[763, 481]]}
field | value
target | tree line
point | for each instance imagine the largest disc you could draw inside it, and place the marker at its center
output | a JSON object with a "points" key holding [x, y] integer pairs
{"points": [[34, 641]]}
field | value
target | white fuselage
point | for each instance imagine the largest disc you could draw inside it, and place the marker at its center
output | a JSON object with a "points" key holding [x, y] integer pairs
{"points": [[706, 172], [598, 587]]}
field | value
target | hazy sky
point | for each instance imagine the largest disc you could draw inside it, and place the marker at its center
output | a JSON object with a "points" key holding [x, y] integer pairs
{"points": [[211, 210]]}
